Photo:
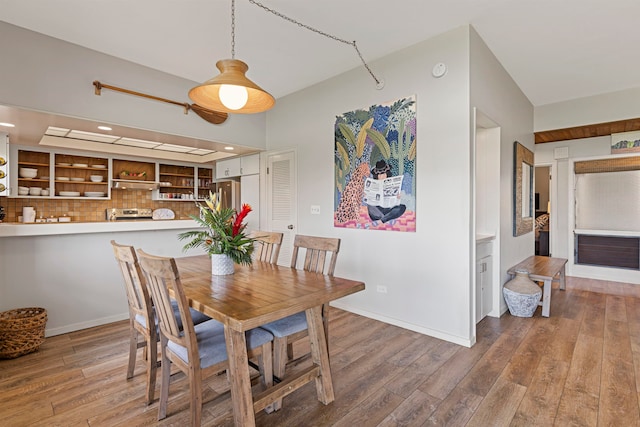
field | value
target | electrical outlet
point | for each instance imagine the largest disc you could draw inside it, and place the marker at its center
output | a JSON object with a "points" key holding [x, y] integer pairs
{"points": [[315, 210], [381, 289]]}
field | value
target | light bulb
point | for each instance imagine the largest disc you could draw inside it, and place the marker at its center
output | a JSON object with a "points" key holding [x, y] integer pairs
{"points": [[233, 97]]}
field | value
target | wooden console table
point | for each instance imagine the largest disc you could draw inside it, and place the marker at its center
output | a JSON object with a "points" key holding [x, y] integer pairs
{"points": [[543, 269]]}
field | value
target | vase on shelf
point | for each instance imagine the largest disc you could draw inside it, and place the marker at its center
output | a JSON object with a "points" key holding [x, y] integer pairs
{"points": [[222, 265], [522, 294]]}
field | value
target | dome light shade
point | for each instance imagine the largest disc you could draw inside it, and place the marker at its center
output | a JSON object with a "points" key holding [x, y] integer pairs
{"points": [[232, 73]]}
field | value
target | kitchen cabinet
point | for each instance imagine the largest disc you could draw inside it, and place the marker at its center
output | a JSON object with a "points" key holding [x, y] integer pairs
{"points": [[228, 168], [32, 160], [133, 170], [204, 177], [238, 166], [484, 273], [250, 165], [183, 182], [76, 176], [60, 175], [176, 182]]}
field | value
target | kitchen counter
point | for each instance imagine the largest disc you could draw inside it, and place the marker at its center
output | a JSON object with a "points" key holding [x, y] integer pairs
{"points": [[69, 268], [16, 229]]}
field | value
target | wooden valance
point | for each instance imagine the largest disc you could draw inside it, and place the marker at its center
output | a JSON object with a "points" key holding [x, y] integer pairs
{"points": [[608, 165], [587, 131]]}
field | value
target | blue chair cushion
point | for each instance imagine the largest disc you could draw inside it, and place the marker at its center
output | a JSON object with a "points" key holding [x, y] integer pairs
{"points": [[212, 346], [288, 325], [197, 316]]}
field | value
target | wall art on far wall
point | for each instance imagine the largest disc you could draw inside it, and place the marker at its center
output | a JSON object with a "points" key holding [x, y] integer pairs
{"points": [[375, 167], [625, 142]]}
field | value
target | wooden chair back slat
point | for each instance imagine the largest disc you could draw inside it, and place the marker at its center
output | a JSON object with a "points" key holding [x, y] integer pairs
{"points": [[267, 246], [317, 249], [137, 294], [161, 274]]}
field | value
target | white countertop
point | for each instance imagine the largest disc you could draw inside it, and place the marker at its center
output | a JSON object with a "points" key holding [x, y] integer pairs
{"points": [[482, 238], [57, 228]]}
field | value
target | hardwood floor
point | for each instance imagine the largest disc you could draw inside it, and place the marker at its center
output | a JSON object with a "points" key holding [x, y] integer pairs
{"points": [[578, 367]]}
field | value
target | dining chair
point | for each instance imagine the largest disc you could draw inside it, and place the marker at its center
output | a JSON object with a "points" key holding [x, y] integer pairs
{"points": [[199, 351], [267, 245], [141, 315], [290, 329]]}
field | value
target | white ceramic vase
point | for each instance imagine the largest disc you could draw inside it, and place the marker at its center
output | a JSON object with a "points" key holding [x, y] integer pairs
{"points": [[221, 265], [522, 294]]}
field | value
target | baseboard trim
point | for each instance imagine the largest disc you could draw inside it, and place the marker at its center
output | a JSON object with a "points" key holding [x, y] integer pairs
{"points": [[415, 328], [50, 332]]}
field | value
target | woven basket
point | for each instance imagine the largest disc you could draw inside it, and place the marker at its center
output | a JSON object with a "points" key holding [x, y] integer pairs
{"points": [[21, 331]]}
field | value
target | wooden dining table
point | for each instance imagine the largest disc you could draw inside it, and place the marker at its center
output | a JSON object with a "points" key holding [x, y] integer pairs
{"points": [[255, 295]]}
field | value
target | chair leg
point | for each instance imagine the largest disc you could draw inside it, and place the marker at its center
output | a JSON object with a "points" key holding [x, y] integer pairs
{"points": [[133, 350], [265, 363], [164, 384], [195, 386], [279, 363], [152, 366]]}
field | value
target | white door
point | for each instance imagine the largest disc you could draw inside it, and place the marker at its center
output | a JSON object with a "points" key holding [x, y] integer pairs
{"points": [[282, 200]]}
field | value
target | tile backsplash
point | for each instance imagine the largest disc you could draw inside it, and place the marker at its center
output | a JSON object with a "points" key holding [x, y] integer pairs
{"points": [[92, 210]]}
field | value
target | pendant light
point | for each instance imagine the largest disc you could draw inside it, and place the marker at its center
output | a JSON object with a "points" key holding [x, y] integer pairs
{"points": [[231, 91]]}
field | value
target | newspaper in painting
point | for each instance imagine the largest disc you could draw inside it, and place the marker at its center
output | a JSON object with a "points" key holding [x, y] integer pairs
{"points": [[383, 192]]}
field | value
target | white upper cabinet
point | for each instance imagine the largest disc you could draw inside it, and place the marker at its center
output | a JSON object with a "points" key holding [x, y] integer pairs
{"points": [[250, 165], [238, 166], [228, 168]]}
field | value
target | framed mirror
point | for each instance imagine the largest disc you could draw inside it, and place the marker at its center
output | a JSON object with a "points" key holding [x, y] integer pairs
{"points": [[523, 207]]}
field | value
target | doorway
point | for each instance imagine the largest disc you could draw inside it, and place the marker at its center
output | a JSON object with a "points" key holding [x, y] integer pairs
{"points": [[281, 197], [542, 187]]}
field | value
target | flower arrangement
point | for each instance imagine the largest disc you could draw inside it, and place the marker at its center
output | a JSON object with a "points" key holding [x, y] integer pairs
{"points": [[223, 231]]}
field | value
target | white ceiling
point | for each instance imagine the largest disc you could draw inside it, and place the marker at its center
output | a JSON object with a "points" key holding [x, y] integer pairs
{"points": [[555, 50]]}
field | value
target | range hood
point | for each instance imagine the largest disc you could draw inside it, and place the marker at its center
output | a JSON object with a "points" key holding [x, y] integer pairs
{"points": [[126, 184]]}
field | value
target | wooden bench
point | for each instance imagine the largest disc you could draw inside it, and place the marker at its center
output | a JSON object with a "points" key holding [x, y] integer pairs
{"points": [[543, 269]]}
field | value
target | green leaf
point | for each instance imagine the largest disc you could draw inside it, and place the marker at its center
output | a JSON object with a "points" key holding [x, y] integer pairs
{"points": [[347, 133], [380, 141], [362, 137], [344, 155]]}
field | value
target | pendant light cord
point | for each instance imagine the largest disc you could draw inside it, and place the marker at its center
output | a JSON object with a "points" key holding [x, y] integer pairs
{"points": [[379, 83]]}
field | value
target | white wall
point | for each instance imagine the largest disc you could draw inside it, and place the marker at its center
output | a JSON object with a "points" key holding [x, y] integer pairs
{"points": [[427, 273], [602, 108], [496, 95], [41, 73]]}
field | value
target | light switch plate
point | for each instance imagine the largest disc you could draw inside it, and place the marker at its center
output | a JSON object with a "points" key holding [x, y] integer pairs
{"points": [[315, 210]]}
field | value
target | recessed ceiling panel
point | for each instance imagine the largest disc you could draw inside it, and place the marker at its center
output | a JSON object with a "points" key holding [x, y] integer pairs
{"points": [[54, 131], [174, 148], [137, 143], [201, 152], [90, 136]]}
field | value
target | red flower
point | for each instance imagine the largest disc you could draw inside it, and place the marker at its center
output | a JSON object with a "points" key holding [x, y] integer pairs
{"points": [[239, 217]]}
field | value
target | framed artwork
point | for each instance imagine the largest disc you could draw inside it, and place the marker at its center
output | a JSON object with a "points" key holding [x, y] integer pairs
{"points": [[523, 205], [375, 167], [625, 142]]}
